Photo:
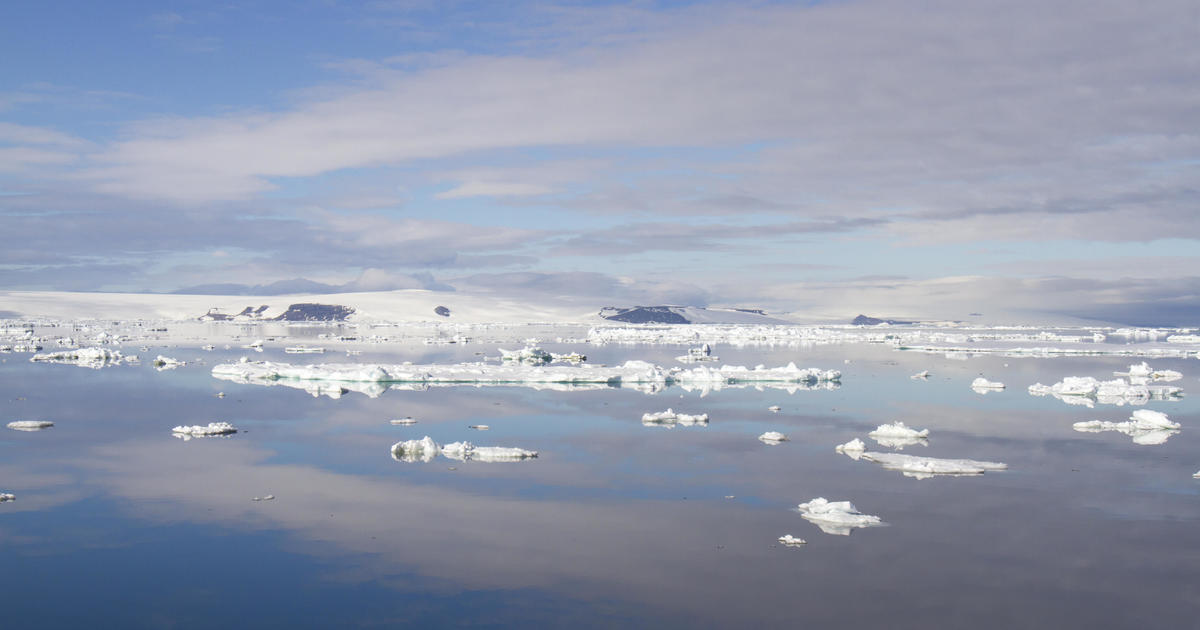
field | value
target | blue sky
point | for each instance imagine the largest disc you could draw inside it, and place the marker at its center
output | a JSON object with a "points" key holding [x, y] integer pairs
{"points": [[921, 158]]}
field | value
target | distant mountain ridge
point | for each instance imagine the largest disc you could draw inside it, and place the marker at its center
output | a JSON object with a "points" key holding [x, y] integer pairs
{"points": [[687, 315]]}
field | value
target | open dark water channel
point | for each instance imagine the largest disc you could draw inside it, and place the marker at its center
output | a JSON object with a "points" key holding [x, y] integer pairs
{"points": [[118, 524]]}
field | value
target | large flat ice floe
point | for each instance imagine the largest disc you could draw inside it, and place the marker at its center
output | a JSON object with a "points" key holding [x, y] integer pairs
{"points": [[29, 425], [1145, 426], [374, 379], [204, 430], [83, 357], [897, 435], [425, 449], [926, 467], [671, 418], [836, 517]]}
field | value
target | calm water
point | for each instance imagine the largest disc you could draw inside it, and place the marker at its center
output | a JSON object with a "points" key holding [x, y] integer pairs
{"points": [[119, 524]]}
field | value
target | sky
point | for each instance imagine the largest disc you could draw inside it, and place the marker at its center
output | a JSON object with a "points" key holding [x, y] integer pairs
{"points": [[899, 158]]}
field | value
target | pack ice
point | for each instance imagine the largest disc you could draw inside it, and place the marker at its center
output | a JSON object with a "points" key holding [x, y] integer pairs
{"points": [[1145, 426], [836, 517], [671, 418], [29, 425], [425, 449]]}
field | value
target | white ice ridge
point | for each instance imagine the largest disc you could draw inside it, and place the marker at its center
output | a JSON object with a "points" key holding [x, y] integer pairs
{"points": [[836, 517], [853, 449], [1087, 390], [772, 438], [897, 436], [1146, 427], [926, 467], [198, 430], [82, 357], [425, 449], [5, 497], [791, 541], [637, 374], [983, 385], [670, 418], [29, 425]]}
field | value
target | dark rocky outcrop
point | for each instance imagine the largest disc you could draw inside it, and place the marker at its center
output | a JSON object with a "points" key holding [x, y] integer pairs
{"points": [[442, 310], [863, 320], [644, 315], [315, 313]]}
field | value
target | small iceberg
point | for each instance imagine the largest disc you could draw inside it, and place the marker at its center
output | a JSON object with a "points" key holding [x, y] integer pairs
{"points": [[694, 355], [852, 449], [836, 517], [1146, 427], [670, 418], [530, 355], [166, 363], [407, 421], [425, 449], [926, 467], [772, 438], [95, 358], [774, 408], [422, 450], [789, 540], [29, 425], [478, 427], [209, 430], [983, 386], [1142, 372], [6, 497], [921, 376], [1087, 390], [897, 435]]}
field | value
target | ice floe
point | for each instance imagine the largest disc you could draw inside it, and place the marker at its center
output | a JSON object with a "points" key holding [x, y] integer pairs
{"points": [[982, 385], [1087, 390], [83, 357], [403, 421], [1197, 475], [208, 430], [5, 497], [1145, 426], [926, 467], [478, 427], [836, 517], [373, 379], [425, 449], [789, 540], [166, 363], [29, 425], [772, 438], [853, 449], [698, 354], [671, 418], [1142, 373], [774, 408], [897, 435], [923, 375]]}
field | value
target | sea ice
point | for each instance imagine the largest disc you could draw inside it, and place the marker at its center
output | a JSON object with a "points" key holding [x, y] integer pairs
{"points": [[1141, 373], [670, 418], [29, 425], [403, 421], [920, 376], [982, 385], [83, 357], [478, 427], [1145, 426], [1087, 390], [197, 430], [465, 451], [791, 541], [166, 363], [774, 408], [772, 438], [853, 449], [836, 517], [925, 467], [422, 450], [5, 497]]}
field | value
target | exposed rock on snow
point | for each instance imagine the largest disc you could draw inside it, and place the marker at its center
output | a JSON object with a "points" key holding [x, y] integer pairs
{"points": [[789, 540], [853, 449], [670, 418], [29, 425], [1146, 427], [772, 438], [211, 429], [897, 435], [926, 467], [836, 517]]}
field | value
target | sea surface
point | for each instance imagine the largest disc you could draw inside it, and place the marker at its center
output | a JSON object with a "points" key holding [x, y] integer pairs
{"points": [[117, 523]]}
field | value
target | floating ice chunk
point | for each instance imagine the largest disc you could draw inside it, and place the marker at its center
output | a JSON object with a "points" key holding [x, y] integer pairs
{"points": [[925, 467], [701, 353], [302, 349], [921, 376], [789, 540], [5, 497], [29, 425], [772, 438], [197, 430], [84, 357], [670, 418], [774, 408], [853, 449], [478, 427], [403, 421], [1197, 475], [836, 517], [1145, 427], [422, 450], [166, 363], [531, 355], [982, 385], [1084, 390], [465, 451], [897, 435], [1140, 374]]}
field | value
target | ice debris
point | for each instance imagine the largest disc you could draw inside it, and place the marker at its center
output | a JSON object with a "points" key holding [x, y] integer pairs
{"points": [[1145, 426], [926, 467], [836, 517], [853, 449], [83, 357], [1141, 373], [670, 418], [29, 425], [478, 427], [897, 430], [920, 376], [425, 449], [197, 430], [774, 408], [5, 497], [166, 363], [789, 540], [1087, 390], [982, 385], [772, 438], [403, 421]]}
